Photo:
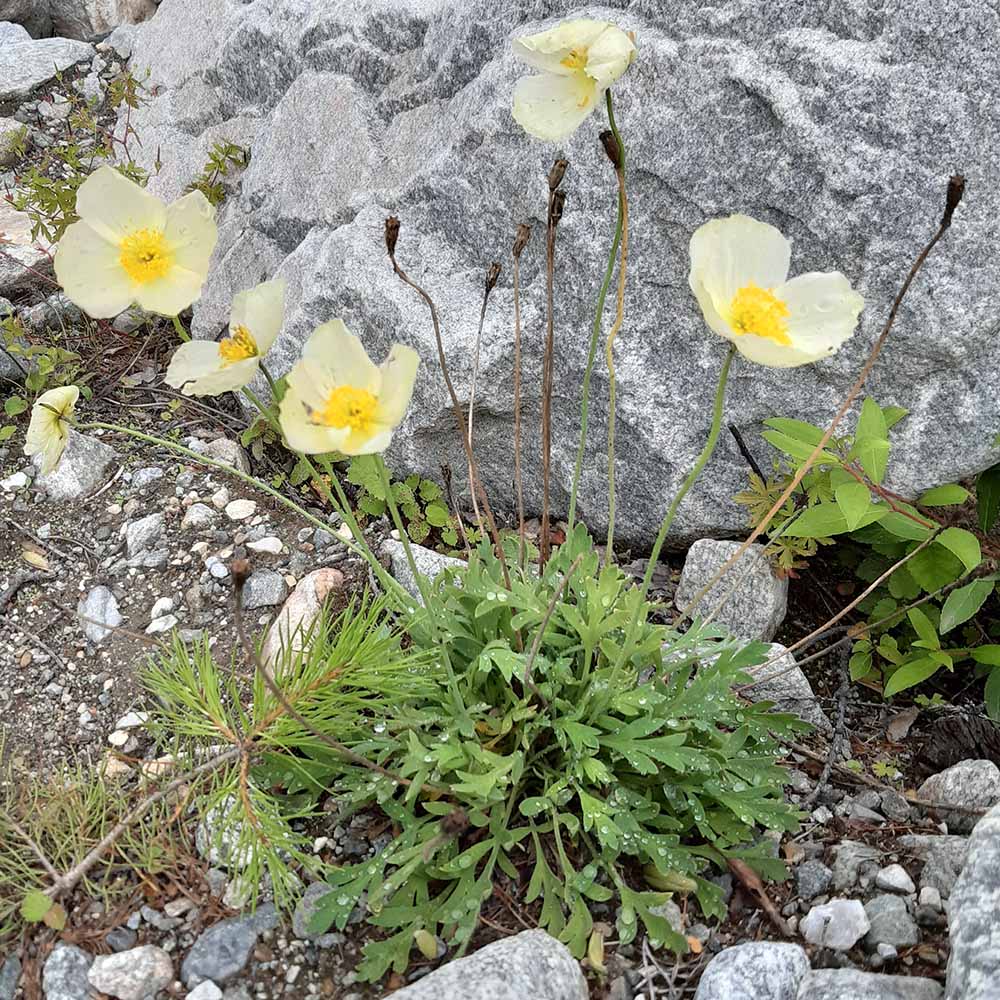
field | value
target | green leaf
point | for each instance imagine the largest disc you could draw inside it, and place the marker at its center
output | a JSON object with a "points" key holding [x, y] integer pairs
{"points": [[934, 567], [904, 527], [873, 456], [437, 515], [797, 429], [15, 405], [34, 906], [871, 421], [964, 544], [991, 695], [990, 655], [797, 449], [944, 496], [910, 674], [963, 603], [860, 665], [854, 500], [823, 520], [923, 627], [988, 497], [7, 432], [893, 415]]}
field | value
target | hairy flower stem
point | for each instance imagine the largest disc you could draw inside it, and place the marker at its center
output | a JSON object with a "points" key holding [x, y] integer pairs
{"points": [[523, 235], [616, 150], [179, 327], [492, 274], [668, 520], [595, 335]]}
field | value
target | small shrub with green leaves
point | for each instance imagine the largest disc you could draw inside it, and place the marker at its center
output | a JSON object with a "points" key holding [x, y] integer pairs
{"points": [[223, 158], [928, 556]]}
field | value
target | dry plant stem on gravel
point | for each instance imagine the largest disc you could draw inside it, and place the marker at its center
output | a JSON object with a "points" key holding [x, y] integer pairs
{"points": [[615, 148], [476, 485], [557, 201], [956, 188], [492, 275], [520, 242]]}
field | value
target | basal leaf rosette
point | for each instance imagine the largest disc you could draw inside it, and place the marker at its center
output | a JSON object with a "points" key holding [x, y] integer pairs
{"points": [[209, 368], [130, 247], [579, 60], [739, 275], [338, 400], [48, 429]]}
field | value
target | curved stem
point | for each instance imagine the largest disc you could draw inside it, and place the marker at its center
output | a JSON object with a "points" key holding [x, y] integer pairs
{"points": [[609, 550], [668, 520], [179, 327]]}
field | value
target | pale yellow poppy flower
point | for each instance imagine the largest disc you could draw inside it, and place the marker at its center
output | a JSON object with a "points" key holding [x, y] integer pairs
{"points": [[48, 429], [131, 247], [579, 59], [207, 368], [338, 400], [739, 275]]}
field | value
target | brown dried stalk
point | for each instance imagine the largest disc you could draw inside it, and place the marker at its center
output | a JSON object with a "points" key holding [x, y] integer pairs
{"points": [[520, 242], [956, 188], [391, 236]]}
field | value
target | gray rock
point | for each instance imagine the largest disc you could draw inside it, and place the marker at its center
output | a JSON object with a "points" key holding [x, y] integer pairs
{"points": [[222, 951], [891, 922], [81, 470], [735, 87], [85, 18], [198, 516], [812, 878], [895, 878], [306, 908], [760, 970], [25, 65], [64, 975], [749, 600], [839, 924], [974, 965], [530, 964], [121, 40], [133, 974], [10, 971], [205, 991], [145, 477], [853, 863], [23, 266], [121, 938], [429, 564], [972, 784], [850, 984], [101, 607], [222, 450], [20, 19], [144, 535], [263, 589], [57, 312], [781, 680], [217, 837]]}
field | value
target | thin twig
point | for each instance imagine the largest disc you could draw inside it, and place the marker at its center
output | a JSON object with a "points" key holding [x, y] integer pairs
{"points": [[391, 236], [492, 274], [520, 242], [956, 188], [839, 734], [26, 837], [21, 579], [557, 201]]}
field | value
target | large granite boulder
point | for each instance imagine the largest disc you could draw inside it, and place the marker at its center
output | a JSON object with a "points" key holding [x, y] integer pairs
{"points": [[840, 123], [75, 18]]}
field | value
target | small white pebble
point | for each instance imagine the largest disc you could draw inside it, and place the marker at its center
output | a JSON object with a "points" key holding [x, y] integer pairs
{"points": [[344, 532], [240, 510], [220, 498], [118, 738], [269, 544]]}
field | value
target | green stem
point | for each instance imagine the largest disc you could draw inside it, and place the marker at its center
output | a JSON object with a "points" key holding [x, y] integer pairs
{"points": [[595, 335], [668, 520], [179, 327]]}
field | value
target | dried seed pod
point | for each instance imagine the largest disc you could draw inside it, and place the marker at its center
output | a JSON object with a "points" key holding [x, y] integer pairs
{"points": [[492, 276], [557, 173], [611, 147], [391, 234], [521, 239], [556, 208], [956, 188]]}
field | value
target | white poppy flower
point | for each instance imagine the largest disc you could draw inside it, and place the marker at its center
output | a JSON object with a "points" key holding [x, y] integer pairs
{"points": [[338, 400], [579, 60], [48, 429], [131, 247], [207, 368], [739, 275]]}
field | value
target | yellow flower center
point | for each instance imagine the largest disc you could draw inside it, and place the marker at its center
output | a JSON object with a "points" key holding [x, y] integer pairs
{"points": [[759, 311], [145, 255], [238, 347], [576, 60], [347, 406]]}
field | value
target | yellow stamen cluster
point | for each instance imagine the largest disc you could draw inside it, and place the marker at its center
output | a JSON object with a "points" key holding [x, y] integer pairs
{"points": [[238, 347], [576, 60], [347, 406], [145, 255], [759, 311]]}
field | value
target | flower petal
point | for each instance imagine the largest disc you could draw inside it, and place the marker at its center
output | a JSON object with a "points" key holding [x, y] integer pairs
{"points": [[367, 442], [48, 429], [765, 351], [399, 372], [90, 272], [823, 312], [114, 206], [197, 369], [172, 293], [546, 49], [343, 357], [553, 107], [262, 311], [300, 433], [609, 55], [729, 254], [191, 232]]}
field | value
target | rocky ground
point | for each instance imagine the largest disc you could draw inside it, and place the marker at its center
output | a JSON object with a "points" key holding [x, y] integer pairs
{"points": [[892, 881]]}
